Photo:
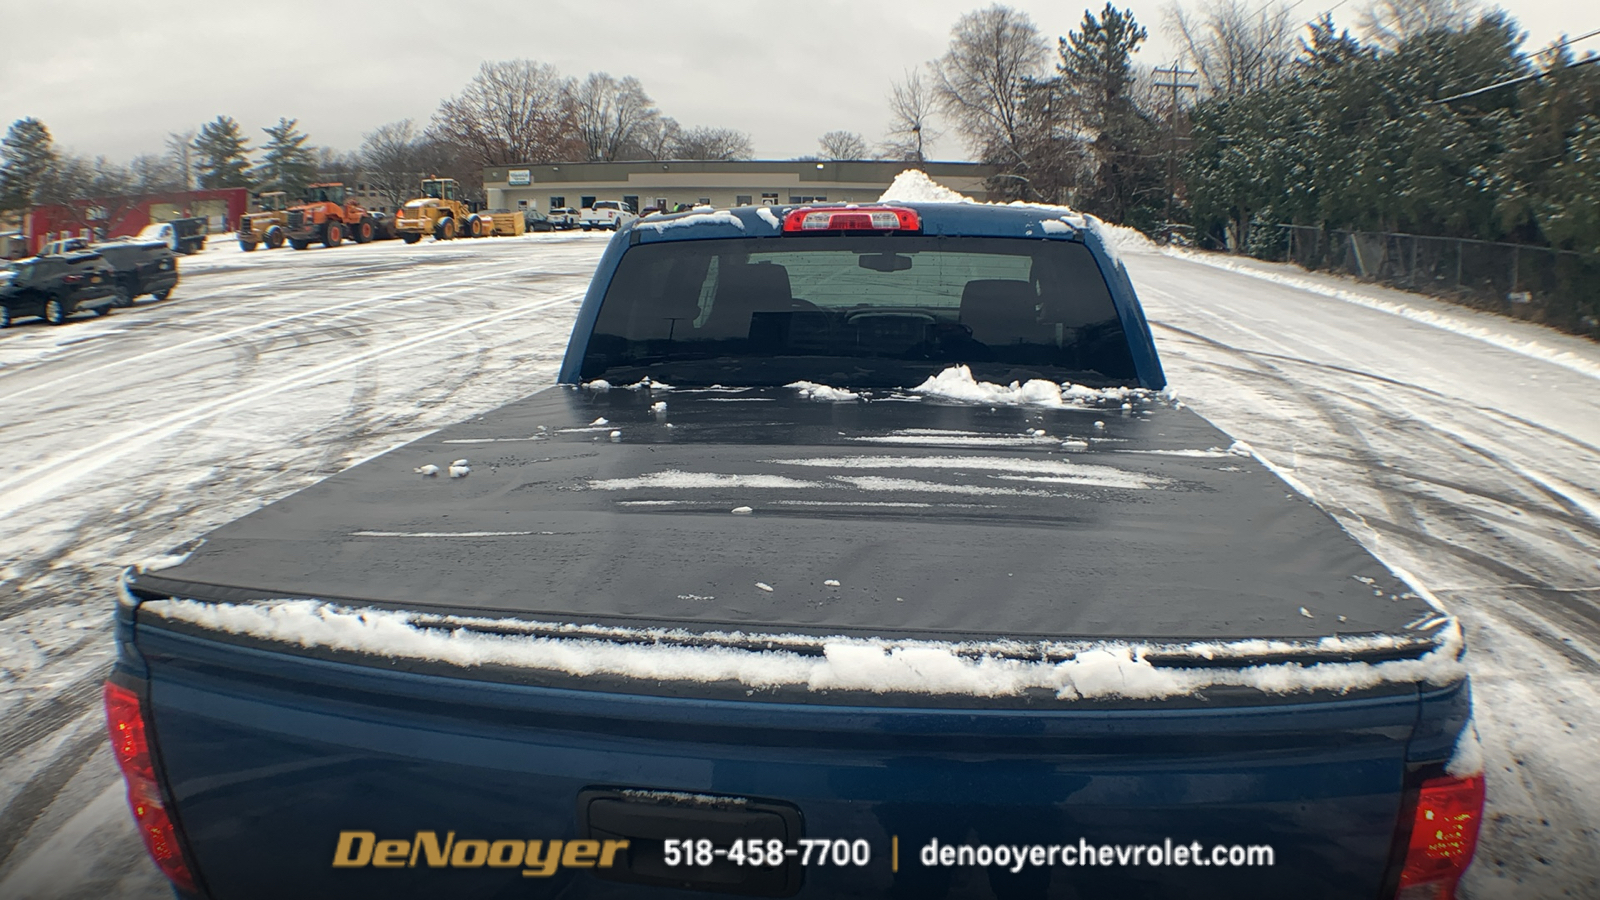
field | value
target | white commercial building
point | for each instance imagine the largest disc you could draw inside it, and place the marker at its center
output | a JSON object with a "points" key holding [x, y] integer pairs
{"points": [[664, 184]]}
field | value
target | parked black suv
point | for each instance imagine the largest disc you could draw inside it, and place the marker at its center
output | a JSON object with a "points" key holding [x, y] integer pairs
{"points": [[55, 287], [141, 267]]}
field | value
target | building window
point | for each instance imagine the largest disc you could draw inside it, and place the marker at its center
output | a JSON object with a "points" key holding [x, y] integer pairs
{"points": [[796, 198], [631, 201], [769, 199], [557, 202], [703, 201], [661, 203], [586, 202], [741, 200]]}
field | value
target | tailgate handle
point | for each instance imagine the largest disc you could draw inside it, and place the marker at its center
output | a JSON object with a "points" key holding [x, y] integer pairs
{"points": [[646, 819]]}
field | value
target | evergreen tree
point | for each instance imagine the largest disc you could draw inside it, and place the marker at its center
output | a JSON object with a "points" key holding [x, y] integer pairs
{"points": [[27, 159], [224, 154], [1126, 181], [287, 164]]}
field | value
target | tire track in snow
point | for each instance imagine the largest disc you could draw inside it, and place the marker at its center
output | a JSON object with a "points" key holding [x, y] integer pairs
{"points": [[169, 351], [40, 482]]}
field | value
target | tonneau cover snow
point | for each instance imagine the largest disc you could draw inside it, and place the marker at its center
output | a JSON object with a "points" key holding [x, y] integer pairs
{"points": [[768, 511]]}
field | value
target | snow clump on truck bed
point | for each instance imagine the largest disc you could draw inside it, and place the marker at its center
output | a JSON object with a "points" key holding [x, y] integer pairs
{"points": [[984, 669], [957, 383]]}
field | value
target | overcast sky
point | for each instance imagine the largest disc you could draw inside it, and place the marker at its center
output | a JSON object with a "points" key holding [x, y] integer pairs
{"points": [[114, 78]]}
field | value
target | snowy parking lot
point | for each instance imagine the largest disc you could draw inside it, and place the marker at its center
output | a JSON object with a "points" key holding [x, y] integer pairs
{"points": [[1460, 447]]}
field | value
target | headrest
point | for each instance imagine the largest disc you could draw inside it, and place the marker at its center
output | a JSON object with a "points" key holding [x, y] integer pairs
{"points": [[759, 285], [1001, 311]]}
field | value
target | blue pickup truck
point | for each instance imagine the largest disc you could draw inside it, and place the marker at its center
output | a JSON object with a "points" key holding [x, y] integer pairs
{"points": [[859, 552]]}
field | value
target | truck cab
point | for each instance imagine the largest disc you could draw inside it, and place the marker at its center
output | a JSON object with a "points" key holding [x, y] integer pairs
{"points": [[606, 215]]}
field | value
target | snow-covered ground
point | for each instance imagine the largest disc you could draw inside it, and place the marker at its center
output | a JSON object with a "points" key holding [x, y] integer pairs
{"points": [[1460, 447]]}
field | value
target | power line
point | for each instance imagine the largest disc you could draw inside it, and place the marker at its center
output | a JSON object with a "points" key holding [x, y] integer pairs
{"points": [[1526, 78], [1576, 39]]}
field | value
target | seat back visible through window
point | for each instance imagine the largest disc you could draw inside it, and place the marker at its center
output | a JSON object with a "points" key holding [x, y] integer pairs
{"points": [[1003, 312], [742, 291]]}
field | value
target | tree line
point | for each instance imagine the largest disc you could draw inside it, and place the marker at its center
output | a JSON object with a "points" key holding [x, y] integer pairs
{"points": [[1430, 119], [516, 111]]}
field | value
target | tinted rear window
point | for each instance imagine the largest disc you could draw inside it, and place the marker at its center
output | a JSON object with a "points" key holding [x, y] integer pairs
{"points": [[858, 311]]}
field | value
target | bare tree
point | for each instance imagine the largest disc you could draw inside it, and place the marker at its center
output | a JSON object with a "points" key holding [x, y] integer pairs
{"points": [[519, 111], [1389, 23], [703, 142], [346, 168], [978, 81], [843, 145], [181, 153], [910, 108], [396, 157], [654, 139], [154, 174], [610, 113], [1235, 47]]}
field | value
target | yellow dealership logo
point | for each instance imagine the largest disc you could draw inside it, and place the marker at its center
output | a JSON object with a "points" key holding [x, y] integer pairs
{"points": [[536, 859]]}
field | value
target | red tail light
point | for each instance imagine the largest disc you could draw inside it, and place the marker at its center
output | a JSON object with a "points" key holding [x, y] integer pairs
{"points": [[72, 279], [1444, 836], [862, 218], [131, 748]]}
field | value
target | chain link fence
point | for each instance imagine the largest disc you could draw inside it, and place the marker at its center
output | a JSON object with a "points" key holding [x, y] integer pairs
{"points": [[1560, 288]]}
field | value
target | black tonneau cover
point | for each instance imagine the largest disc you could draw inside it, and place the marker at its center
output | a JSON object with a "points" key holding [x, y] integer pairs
{"points": [[936, 520]]}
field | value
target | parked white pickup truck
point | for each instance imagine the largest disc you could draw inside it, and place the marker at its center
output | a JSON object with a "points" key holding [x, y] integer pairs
{"points": [[612, 214]]}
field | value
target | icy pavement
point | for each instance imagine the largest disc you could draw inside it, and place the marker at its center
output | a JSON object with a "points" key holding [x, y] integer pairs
{"points": [[1469, 460], [1462, 447], [129, 435]]}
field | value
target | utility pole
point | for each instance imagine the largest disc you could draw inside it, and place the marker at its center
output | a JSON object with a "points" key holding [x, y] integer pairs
{"points": [[1177, 80]]}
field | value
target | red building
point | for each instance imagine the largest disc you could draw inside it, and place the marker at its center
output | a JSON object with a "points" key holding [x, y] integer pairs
{"points": [[112, 217]]}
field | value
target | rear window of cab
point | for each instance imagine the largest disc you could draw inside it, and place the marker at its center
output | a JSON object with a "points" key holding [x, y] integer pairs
{"points": [[863, 310]]}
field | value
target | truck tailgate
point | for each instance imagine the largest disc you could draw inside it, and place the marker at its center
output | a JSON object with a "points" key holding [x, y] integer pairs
{"points": [[270, 755]]}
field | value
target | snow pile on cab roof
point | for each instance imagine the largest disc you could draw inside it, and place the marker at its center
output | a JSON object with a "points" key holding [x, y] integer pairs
{"points": [[957, 383], [1101, 670], [914, 186]]}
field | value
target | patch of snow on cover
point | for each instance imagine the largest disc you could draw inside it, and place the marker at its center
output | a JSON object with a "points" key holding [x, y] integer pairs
{"points": [[1077, 473], [958, 383], [675, 479], [813, 391], [914, 186], [871, 503], [445, 534], [707, 217], [768, 216], [1210, 453], [920, 437], [879, 483], [599, 384], [863, 664], [1457, 323]]}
